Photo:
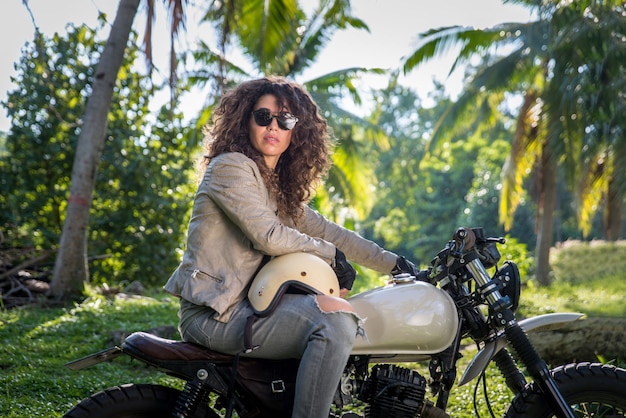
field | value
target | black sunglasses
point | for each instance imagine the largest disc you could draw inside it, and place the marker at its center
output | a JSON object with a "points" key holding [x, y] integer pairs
{"points": [[263, 117]]}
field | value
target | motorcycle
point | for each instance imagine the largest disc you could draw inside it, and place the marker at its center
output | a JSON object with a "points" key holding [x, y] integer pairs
{"points": [[416, 318]]}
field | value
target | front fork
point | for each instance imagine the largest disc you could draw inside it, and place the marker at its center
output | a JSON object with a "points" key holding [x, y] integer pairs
{"points": [[514, 378], [518, 340]]}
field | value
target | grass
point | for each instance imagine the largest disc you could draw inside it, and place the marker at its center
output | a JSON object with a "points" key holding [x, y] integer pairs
{"points": [[600, 297], [36, 342]]}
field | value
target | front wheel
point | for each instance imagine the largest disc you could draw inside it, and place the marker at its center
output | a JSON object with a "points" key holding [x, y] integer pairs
{"points": [[133, 401], [591, 389]]}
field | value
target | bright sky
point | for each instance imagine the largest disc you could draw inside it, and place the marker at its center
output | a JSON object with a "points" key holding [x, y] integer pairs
{"points": [[394, 26]]}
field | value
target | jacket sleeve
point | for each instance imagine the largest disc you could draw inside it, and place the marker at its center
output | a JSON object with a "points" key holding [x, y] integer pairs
{"points": [[235, 184], [355, 247]]}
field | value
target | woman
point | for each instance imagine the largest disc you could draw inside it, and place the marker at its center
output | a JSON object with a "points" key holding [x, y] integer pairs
{"points": [[267, 148]]}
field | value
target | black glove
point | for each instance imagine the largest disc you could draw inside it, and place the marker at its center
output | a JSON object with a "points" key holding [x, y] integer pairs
{"points": [[344, 271], [404, 266]]}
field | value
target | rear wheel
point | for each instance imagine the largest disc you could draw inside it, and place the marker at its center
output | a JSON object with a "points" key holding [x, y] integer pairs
{"points": [[592, 390], [133, 401]]}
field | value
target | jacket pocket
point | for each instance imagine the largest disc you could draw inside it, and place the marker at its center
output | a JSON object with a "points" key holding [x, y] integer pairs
{"points": [[203, 275]]}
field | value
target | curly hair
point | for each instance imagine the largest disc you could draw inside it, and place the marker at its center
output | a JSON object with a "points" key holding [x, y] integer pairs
{"points": [[304, 162]]}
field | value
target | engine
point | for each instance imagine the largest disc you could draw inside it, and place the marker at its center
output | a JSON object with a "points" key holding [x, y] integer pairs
{"points": [[394, 392]]}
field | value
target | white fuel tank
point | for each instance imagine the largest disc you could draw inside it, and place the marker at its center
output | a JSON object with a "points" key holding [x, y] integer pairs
{"points": [[412, 318]]}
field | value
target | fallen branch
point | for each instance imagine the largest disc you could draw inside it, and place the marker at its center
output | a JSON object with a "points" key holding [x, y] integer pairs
{"points": [[24, 265]]}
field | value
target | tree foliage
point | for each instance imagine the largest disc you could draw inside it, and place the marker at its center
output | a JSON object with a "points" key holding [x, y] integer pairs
{"points": [[422, 196], [398, 179], [566, 66], [137, 217]]}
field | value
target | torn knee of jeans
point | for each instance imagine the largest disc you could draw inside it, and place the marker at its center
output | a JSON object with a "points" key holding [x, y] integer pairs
{"points": [[360, 330], [332, 304]]}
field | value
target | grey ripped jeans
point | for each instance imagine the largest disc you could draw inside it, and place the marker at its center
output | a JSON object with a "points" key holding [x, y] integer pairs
{"points": [[298, 328]]}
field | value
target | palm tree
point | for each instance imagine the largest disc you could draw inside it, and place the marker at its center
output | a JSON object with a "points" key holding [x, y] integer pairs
{"points": [[71, 271], [592, 54], [536, 49]]}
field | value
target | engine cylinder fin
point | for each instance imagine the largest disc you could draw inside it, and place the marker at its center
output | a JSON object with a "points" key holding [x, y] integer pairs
{"points": [[395, 392]]}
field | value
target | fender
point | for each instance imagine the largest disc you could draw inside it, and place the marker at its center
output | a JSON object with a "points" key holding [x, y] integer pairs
{"points": [[546, 322]]}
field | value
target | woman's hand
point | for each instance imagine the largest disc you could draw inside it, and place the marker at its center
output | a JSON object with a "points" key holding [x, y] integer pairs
{"points": [[346, 274], [404, 266]]}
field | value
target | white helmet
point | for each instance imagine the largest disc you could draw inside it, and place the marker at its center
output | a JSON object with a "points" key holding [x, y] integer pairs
{"points": [[299, 272]]}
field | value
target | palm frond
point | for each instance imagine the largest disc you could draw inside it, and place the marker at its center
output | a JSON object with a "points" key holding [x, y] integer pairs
{"points": [[326, 19], [525, 150], [592, 186], [469, 41], [350, 178]]}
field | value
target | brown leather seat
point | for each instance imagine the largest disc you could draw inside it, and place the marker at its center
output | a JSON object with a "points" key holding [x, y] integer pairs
{"points": [[166, 350]]}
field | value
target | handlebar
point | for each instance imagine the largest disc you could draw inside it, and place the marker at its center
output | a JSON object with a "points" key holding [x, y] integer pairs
{"points": [[467, 244]]}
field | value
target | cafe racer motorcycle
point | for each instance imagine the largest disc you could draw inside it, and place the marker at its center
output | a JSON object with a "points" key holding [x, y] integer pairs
{"points": [[421, 317]]}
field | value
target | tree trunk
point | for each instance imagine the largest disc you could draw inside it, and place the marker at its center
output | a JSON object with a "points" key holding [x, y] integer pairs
{"points": [[71, 271], [547, 203], [583, 340], [614, 209]]}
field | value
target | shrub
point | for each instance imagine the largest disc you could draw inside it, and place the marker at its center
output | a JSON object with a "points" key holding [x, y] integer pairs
{"points": [[577, 262]]}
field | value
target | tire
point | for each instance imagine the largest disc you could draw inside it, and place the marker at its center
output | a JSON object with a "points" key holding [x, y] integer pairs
{"points": [[592, 389], [133, 401]]}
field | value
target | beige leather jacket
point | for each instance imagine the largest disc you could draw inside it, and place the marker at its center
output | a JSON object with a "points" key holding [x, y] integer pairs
{"points": [[234, 223]]}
